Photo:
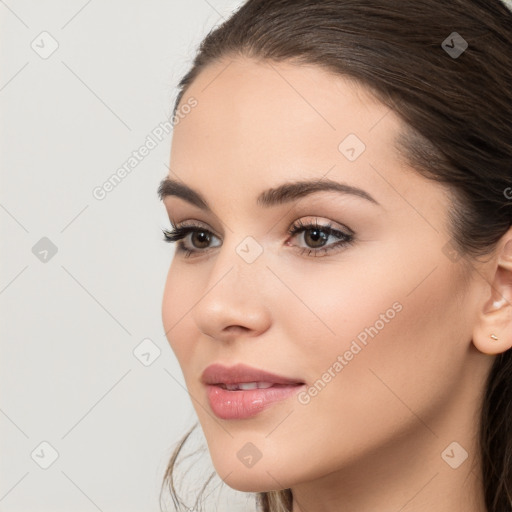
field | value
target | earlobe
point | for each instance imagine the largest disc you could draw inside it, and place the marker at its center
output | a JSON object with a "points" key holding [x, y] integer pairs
{"points": [[493, 329]]}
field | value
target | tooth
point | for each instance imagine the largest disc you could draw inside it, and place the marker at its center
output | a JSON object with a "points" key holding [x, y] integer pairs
{"points": [[265, 385], [255, 385], [248, 385]]}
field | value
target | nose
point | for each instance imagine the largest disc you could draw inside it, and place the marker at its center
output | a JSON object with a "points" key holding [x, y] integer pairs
{"points": [[234, 301]]}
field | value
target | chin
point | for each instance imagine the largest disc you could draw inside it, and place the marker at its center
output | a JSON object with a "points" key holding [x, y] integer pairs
{"points": [[263, 475], [245, 480]]}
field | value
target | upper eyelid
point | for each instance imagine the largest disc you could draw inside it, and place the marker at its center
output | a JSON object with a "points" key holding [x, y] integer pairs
{"points": [[304, 220], [191, 224]]}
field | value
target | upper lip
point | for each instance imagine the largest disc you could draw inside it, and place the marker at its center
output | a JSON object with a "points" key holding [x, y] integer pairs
{"points": [[219, 374]]}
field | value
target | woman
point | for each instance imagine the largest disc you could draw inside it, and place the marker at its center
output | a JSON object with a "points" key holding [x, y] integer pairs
{"points": [[340, 297]]}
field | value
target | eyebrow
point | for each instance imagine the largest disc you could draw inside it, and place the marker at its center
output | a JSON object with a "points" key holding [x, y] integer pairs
{"points": [[282, 194]]}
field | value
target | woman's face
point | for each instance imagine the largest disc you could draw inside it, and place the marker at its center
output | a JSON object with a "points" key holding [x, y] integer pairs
{"points": [[378, 327]]}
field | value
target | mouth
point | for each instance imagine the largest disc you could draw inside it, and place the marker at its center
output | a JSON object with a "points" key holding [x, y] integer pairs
{"points": [[241, 392], [244, 400]]}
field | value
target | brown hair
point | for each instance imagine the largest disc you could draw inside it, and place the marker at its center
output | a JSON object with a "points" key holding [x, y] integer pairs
{"points": [[457, 114]]}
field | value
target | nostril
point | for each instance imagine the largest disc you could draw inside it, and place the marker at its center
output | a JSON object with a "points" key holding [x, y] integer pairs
{"points": [[236, 329]]}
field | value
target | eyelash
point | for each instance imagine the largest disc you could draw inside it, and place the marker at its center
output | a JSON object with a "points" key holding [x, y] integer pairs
{"points": [[178, 233]]}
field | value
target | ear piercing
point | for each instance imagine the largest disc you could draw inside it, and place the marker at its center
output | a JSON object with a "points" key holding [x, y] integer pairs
{"points": [[494, 337]]}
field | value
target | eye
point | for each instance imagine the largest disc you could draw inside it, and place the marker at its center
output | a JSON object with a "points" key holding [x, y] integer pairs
{"points": [[315, 236], [199, 236], [318, 236]]}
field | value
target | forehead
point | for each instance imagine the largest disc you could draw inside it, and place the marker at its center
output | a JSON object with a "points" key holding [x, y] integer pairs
{"points": [[270, 96], [257, 124]]}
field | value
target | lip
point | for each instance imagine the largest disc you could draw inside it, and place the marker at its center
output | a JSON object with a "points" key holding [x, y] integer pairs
{"points": [[218, 374], [242, 404]]}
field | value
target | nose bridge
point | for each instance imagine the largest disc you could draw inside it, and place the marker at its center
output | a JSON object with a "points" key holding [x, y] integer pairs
{"points": [[244, 255], [235, 291]]}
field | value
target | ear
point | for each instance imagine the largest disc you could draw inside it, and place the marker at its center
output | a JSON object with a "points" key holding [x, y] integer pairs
{"points": [[495, 316]]}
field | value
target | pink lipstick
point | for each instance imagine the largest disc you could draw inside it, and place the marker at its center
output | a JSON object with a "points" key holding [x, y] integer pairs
{"points": [[241, 391]]}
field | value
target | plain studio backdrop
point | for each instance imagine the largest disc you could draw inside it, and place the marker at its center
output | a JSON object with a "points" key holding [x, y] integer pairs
{"points": [[92, 398]]}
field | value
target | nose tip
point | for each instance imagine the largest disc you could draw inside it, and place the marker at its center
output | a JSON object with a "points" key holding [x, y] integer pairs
{"points": [[234, 307], [225, 322]]}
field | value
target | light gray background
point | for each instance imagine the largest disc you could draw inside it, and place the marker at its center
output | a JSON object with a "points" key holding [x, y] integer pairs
{"points": [[70, 325]]}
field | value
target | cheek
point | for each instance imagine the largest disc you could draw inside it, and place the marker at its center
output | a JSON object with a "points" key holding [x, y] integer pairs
{"points": [[323, 308], [374, 344], [398, 323]]}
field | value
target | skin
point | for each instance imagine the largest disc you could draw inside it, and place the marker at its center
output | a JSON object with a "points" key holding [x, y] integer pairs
{"points": [[373, 438]]}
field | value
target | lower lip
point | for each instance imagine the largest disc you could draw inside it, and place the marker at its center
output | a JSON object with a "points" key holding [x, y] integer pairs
{"points": [[241, 404]]}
